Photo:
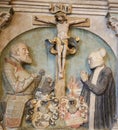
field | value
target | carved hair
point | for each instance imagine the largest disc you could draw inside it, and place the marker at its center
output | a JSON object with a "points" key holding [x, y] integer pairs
{"points": [[62, 14], [14, 49]]}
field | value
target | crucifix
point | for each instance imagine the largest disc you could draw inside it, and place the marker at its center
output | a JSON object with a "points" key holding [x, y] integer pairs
{"points": [[62, 41]]}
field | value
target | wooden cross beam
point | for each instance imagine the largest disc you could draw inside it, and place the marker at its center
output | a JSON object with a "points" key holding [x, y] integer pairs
{"points": [[52, 19]]}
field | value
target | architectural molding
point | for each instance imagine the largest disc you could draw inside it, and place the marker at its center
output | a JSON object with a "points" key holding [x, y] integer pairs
{"points": [[113, 6], [89, 7]]}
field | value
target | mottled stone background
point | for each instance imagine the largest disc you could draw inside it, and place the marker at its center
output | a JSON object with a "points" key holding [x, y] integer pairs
{"points": [[42, 59]]}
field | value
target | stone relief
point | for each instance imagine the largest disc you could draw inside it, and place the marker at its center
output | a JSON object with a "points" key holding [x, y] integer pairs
{"points": [[36, 94], [99, 92], [44, 112], [67, 8], [62, 44], [18, 84], [62, 38], [73, 108], [42, 102]]}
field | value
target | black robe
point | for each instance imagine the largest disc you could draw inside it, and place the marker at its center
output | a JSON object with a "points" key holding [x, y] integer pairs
{"points": [[105, 101]]}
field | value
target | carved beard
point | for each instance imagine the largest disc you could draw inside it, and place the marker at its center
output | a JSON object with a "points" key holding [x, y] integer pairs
{"points": [[27, 59]]}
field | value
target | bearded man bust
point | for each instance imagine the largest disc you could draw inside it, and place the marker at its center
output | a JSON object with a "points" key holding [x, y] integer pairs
{"points": [[19, 84]]}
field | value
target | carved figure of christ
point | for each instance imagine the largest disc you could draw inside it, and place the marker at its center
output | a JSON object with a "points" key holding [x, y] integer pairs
{"points": [[62, 24]]}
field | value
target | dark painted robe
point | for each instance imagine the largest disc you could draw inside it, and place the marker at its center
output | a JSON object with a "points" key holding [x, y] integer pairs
{"points": [[105, 101]]}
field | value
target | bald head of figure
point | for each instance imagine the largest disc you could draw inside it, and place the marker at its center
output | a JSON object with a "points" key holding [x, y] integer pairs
{"points": [[96, 58], [21, 53]]}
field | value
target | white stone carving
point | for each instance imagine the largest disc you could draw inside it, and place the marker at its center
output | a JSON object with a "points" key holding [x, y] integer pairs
{"points": [[113, 24]]}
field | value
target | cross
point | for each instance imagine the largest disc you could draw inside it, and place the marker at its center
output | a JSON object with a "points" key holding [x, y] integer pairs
{"points": [[62, 40]]}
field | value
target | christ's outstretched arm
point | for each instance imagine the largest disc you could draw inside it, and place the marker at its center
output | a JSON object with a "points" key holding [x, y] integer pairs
{"points": [[44, 21], [78, 21]]}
